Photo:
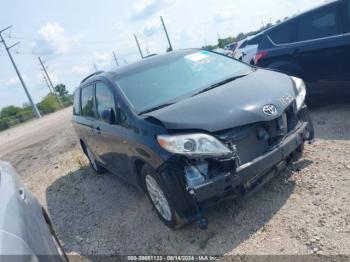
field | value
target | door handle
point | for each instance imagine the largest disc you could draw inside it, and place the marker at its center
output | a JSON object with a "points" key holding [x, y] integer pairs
{"points": [[22, 193]]}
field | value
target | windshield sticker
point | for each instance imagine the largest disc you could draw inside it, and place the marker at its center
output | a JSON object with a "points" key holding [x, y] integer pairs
{"points": [[197, 57]]}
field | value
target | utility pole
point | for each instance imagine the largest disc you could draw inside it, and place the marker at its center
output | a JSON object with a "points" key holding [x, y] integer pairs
{"points": [[138, 45], [35, 109], [95, 66], [49, 80], [115, 59], [166, 33], [47, 83]]}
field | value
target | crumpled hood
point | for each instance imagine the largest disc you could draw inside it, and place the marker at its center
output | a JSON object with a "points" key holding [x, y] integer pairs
{"points": [[231, 105]]}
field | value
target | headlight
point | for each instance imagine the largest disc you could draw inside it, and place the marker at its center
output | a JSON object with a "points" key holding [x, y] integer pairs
{"points": [[301, 91], [193, 145]]}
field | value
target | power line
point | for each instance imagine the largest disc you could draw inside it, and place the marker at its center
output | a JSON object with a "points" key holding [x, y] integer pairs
{"points": [[35, 109], [65, 41], [70, 53]]}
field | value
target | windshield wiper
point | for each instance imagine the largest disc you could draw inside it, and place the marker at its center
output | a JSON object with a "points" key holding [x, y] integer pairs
{"points": [[155, 108], [227, 80]]}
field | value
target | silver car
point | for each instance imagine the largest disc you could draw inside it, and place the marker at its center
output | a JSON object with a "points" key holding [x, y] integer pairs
{"points": [[25, 227]]}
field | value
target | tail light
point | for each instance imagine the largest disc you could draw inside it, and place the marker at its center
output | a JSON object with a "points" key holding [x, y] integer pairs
{"points": [[259, 56]]}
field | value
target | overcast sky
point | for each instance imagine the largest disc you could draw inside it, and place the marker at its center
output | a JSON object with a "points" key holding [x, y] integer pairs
{"points": [[73, 35]]}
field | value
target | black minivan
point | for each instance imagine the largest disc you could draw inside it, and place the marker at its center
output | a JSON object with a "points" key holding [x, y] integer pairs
{"points": [[314, 46], [191, 128]]}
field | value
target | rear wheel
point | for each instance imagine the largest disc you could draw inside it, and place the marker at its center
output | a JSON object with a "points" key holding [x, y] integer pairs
{"points": [[159, 198], [93, 163]]}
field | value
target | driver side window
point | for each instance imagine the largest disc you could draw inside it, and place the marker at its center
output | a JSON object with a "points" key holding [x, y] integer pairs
{"points": [[104, 99]]}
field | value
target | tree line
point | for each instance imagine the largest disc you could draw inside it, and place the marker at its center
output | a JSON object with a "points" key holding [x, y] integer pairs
{"points": [[13, 115]]}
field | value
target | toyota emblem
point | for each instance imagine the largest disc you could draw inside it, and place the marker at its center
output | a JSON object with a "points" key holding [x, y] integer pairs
{"points": [[270, 110]]}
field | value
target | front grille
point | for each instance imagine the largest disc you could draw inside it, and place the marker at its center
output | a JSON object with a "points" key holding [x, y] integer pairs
{"points": [[258, 138]]}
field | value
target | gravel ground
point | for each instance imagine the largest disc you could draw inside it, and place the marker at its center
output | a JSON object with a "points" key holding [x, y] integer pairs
{"points": [[305, 210]]}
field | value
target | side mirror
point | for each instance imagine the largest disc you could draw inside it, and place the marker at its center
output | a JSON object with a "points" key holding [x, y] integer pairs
{"points": [[108, 116]]}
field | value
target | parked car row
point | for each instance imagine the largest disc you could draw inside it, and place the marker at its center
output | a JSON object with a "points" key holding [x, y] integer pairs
{"points": [[223, 51], [314, 46]]}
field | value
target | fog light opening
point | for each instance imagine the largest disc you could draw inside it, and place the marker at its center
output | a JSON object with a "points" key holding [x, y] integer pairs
{"points": [[196, 173]]}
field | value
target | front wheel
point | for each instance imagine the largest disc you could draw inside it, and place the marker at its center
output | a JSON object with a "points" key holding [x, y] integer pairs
{"points": [[159, 198], [305, 116]]}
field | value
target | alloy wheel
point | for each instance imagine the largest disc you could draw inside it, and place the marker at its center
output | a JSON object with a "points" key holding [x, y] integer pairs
{"points": [[158, 198]]}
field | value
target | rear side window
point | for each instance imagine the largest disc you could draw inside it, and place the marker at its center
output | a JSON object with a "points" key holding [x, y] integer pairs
{"points": [[243, 44], [284, 33], [255, 40], [76, 106], [318, 24], [104, 98], [87, 101]]}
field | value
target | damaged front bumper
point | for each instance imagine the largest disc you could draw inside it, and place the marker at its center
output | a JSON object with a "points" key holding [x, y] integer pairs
{"points": [[251, 174], [229, 178], [231, 182]]}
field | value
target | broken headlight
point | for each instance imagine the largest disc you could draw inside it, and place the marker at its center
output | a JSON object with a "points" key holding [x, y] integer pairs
{"points": [[301, 91], [193, 145]]}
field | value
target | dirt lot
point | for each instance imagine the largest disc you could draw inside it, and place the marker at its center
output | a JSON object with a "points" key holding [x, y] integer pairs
{"points": [[303, 211]]}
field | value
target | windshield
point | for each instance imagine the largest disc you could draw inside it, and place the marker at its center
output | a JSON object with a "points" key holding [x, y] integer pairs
{"points": [[165, 82]]}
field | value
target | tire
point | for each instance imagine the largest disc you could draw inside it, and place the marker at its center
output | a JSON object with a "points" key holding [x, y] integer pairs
{"points": [[58, 245], [159, 198], [306, 117], [93, 163]]}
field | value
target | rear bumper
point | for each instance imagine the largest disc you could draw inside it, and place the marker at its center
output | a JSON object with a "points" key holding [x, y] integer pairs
{"points": [[254, 171]]}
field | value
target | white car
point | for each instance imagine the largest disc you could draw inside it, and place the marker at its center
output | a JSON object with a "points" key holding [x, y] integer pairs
{"points": [[247, 49], [223, 51]]}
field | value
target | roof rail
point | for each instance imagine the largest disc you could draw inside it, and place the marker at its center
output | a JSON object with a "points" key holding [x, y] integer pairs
{"points": [[93, 74]]}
